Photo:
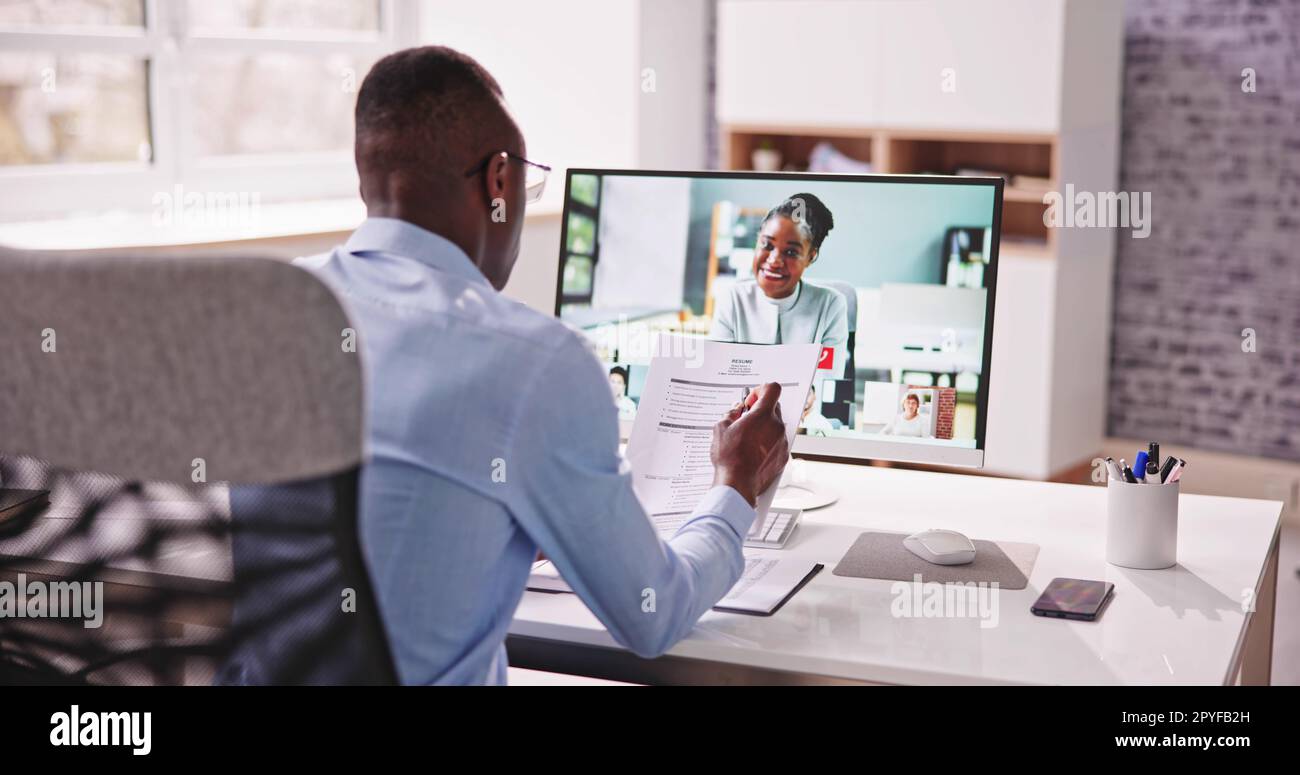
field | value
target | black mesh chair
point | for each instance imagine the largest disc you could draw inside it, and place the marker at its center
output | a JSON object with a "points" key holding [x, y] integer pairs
{"points": [[841, 404], [198, 424]]}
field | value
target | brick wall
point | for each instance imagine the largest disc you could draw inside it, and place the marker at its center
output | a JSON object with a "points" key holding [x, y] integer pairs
{"points": [[1223, 166], [945, 410]]}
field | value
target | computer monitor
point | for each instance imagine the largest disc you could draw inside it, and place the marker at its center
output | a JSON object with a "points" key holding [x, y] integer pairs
{"points": [[893, 274]]}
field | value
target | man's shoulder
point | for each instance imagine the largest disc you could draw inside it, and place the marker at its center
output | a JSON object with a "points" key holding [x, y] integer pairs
{"points": [[518, 320], [536, 342], [476, 305]]}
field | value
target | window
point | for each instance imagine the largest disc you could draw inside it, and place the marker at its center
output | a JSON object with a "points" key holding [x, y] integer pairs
{"points": [[581, 250], [106, 103]]}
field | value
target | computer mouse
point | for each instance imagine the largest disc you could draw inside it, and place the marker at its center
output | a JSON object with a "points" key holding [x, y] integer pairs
{"points": [[941, 547]]}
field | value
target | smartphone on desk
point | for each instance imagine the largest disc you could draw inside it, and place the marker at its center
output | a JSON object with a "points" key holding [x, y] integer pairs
{"points": [[1073, 599]]}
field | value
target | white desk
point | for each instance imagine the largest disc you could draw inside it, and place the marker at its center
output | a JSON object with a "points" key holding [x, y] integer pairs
{"points": [[1185, 625]]}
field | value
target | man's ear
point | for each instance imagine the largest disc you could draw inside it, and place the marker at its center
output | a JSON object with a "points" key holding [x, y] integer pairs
{"points": [[813, 256], [495, 177]]}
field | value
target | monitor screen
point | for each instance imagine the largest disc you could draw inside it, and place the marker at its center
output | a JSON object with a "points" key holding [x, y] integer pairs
{"points": [[892, 274]]}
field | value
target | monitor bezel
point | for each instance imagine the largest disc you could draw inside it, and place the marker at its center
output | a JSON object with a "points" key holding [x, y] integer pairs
{"points": [[847, 450]]}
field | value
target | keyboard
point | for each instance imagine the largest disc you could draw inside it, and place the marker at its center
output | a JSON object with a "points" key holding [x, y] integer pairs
{"points": [[775, 530]]}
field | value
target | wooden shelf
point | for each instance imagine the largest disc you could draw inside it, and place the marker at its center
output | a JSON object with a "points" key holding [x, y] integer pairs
{"points": [[794, 144], [894, 150], [1011, 194], [1024, 220], [906, 154], [1024, 248]]}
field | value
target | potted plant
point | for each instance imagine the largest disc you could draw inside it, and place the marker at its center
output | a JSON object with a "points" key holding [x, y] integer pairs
{"points": [[766, 157]]}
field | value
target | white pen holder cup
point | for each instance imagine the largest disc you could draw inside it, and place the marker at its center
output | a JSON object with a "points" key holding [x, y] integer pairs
{"points": [[1141, 525]]}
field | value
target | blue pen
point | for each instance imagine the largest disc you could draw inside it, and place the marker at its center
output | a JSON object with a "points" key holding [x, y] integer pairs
{"points": [[1140, 465]]}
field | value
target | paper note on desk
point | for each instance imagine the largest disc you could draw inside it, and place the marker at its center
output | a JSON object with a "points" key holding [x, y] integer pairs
{"points": [[766, 583], [689, 387]]}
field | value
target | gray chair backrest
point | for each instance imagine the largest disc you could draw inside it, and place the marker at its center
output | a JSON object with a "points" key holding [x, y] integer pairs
{"points": [[137, 366], [122, 369], [850, 295]]}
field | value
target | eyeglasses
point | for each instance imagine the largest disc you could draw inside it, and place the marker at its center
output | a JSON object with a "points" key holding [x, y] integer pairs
{"points": [[534, 174]]}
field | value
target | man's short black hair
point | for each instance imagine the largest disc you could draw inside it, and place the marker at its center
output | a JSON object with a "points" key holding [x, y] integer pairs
{"points": [[426, 109]]}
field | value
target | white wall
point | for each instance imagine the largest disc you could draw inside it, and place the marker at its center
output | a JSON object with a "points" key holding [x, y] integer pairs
{"points": [[575, 74], [568, 70], [643, 226], [1017, 442], [533, 281], [883, 62], [672, 119], [1088, 157]]}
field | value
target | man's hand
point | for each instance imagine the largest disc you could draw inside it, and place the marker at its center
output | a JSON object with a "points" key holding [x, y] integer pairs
{"points": [[749, 449]]}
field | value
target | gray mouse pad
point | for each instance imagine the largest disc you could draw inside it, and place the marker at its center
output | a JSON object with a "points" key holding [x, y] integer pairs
{"points": [[883, 556]]}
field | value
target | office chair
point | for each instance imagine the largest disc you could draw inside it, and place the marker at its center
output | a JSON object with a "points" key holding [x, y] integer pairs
{"points": [[962, 241], [199, 426], [842, 405]]}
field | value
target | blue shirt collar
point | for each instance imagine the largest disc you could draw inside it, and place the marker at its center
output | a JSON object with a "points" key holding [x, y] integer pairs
{"points": [[400, 238]]}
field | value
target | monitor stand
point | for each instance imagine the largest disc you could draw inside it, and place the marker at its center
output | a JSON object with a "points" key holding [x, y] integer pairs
{"points": [[800, 489]]}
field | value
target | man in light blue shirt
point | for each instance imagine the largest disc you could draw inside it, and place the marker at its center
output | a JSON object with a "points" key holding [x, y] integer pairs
{"points": [[491, 433]]}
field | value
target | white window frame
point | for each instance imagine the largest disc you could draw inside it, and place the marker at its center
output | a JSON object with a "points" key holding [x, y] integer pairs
{"points": [[45, 190]]}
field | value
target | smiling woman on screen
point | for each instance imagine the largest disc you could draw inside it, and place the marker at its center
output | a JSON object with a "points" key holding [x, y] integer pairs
{"points": [[776, 306]]}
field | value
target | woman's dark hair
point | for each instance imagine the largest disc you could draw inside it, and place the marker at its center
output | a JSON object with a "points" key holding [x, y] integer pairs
{"points": [[810, 215], [622, 372]]}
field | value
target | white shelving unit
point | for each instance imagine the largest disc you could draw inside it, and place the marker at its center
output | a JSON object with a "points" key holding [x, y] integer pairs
{"points": [[1024, 86]]}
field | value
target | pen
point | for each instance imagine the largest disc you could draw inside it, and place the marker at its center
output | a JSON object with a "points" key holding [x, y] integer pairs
{"points": [[1140, 465], [1177, 473], [1128, 476], [1153, 462], [1113, 469], [1168, 468]]}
